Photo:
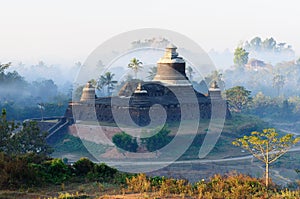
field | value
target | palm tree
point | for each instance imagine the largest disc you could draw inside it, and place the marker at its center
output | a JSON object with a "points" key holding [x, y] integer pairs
{"points": [[190, 72], [278, 82], [106, 80], [152, 72], [135, 65], [3, 67]]}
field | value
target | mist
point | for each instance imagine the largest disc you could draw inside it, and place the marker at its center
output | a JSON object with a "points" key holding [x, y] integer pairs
{"points": [[26, 85]]}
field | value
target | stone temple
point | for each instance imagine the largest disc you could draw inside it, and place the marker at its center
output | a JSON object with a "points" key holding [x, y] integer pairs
{"points": [[142, 101]]}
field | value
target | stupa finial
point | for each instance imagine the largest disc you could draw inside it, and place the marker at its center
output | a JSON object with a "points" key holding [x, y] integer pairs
{"points": [[214, 85]]}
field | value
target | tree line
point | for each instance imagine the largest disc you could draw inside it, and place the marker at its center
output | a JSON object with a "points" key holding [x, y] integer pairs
{"points": [[23, 99]]}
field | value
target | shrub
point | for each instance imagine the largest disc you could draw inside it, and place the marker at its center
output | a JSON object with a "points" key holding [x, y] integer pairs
{"points": [[234, 186], [287, 194], [83, 166], [174, 186], [55, 171], [121, 177], [125, 142], [72, 196], [103, 173], [164, 186], [17, 171], [157, 141], [138, 184]]}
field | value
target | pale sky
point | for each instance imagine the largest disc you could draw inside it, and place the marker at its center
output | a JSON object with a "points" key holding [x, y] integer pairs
{"points": [[63, 32]]}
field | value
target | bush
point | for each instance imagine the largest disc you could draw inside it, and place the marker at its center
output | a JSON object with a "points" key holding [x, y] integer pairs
{"points": [[138, 184], [72, 196], [103, 173], [17, 171], [54, 171], [228, 186], [83, 166], [234, 186], [158, 140], [29, 139], [125, 142], [121, 177]]}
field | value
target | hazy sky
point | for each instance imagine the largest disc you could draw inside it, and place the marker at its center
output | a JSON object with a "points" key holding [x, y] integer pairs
{"points": [[66, 31]]}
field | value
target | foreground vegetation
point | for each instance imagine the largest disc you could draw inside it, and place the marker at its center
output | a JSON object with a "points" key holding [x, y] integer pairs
{"points": [[88, 180], [33, 175], [267, 146]]}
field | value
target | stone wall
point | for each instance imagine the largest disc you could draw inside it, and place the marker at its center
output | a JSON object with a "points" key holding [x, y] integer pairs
{"points": [[140, 115]]}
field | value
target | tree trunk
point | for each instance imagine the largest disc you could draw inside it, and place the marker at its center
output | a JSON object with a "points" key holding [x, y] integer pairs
{"points": [[267, 175]]}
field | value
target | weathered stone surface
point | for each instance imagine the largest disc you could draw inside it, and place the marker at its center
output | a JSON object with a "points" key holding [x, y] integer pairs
{"points": [[139, 98]]}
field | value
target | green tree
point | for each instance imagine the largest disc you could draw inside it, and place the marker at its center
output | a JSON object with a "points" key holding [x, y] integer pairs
{"points": [[55, 171], [267, 146], [3, 67], [45, 89], [238, 97], [135, 65], [240, 56], [269, 44], [10, 82], [104, 173], [160, 139], [190, 73], [256, 43], [125, 142], [278, 82], [29, 139], [263, 106], [6, 133], [83, 166], [107, 81], [152, 72]]}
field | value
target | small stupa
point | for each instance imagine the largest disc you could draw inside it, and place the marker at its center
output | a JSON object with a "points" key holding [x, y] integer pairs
{"points": [[88, 92], [214, 91]]}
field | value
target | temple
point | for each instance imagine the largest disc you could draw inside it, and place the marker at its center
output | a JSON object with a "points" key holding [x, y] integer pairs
{"points": [[170, 89]]}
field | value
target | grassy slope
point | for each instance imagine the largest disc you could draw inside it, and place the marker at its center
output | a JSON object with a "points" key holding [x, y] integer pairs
{"points": [[72, 148]]}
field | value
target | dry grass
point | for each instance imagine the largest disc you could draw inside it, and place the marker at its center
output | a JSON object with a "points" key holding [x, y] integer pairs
{"points": [[93, 190]]}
